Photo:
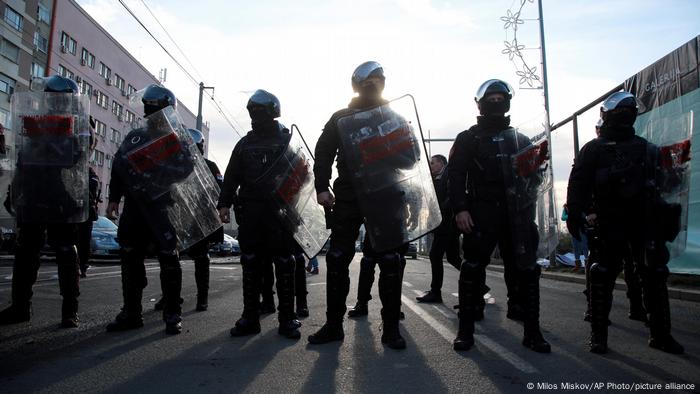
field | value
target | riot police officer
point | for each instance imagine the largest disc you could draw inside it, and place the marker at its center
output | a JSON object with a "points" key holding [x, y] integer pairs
{"points": [[488, 215], [144, 222], [347, 217], [49, 192], [617, 174], [446, 237], [199, 252], [261, 234]]}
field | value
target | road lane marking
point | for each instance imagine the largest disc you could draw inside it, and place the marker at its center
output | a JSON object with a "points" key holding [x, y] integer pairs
{"points": [[455, 295], [316, 284], [407, 284], [223, 268], [483, 340]]}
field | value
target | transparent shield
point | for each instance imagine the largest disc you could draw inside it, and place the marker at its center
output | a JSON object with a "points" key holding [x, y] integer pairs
{"points": [[673, 137], [528, 179], [383, 147], [162, 165], [291, 181], [50, 154]]}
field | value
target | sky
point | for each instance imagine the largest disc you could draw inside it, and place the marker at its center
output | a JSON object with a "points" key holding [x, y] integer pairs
{"points": [[305, 51]]}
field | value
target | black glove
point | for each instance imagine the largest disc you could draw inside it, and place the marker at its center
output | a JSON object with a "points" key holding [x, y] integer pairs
{"points": [[574, 223]]}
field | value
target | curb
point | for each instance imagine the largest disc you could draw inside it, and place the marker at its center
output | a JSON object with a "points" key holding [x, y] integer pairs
{"points": [[673, 292]]}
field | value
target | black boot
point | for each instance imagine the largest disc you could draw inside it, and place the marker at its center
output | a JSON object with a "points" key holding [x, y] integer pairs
{"points": [[656, 300], [360, 309], [390, 274], [133, 282], [469, 285], [391, 335], [430, 296], [171, 286], [302, 308], [201, 277], [337, 288], [364, 287], [330, 332], [245, 326], [249, 323], [16, 314], [68, 282], [600, 293], [267, 282], [173, 324], [529, 292], [284, 270], [125, 321], [24, 273]]}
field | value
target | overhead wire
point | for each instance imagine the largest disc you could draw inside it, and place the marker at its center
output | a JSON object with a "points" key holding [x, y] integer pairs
{"points": [[184, 70]]}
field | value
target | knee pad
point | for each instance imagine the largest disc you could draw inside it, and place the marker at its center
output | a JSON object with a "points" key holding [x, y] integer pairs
{"points": [[66, 254], [470, 267], [368, 263], [337, 260], [284, 264], [599, 272], [659, 273], [390, 263], [248, 259]]}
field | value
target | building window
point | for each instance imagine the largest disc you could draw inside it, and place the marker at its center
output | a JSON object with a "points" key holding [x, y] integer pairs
{"points": [[7, 84], [9, 50], [5, 119], [119, 82], [100, 128], [40, 42], [130, 90], [37, 70], [85, 88], [13, 18], [43, 13], [102, 100], [116, 136], [109, 161], [64, 41], [130, 116], [64, 72], [87, 58], [100, 158], [117, 108], [105, 72], [72, 46]]}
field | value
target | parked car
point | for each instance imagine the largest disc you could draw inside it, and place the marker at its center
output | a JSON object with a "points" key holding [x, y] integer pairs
{"points": [[104, 238], [229, 247], [412, 250]]}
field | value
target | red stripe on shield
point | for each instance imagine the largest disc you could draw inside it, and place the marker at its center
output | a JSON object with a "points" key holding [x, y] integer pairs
{"points": [[673, 156], [48, 125], [155, 153], [380, 147]]}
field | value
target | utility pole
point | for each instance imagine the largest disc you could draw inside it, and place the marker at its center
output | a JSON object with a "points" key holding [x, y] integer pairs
{"points": [[199, 108]]}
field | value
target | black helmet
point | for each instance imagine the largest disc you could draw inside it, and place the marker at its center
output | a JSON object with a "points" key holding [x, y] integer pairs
{"points": [[198, 139], [619, 109], [59, 84], [486, 89], [156, 97], [263, 105], [365, 72]]}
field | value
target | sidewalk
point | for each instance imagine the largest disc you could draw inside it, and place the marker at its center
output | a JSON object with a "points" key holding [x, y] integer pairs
{"points": [[681, 287]]}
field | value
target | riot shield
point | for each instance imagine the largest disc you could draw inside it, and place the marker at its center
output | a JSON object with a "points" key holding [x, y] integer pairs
{"points": [[170, 180], [673, 137], [290, 180], [383, 148], [51, 139], [528, 179]]}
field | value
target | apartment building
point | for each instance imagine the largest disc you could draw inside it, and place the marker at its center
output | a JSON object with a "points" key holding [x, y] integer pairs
{"points": [[84, 51]]}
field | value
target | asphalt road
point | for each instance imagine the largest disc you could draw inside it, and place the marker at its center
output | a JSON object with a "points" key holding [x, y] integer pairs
{"points": [[41, 357]]}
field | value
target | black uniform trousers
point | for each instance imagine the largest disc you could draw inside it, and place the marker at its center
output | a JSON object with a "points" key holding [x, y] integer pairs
{"points": [[444, 243], [346, 221], [263, 238], [31, 238], [517, 239], [137, 239]]}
